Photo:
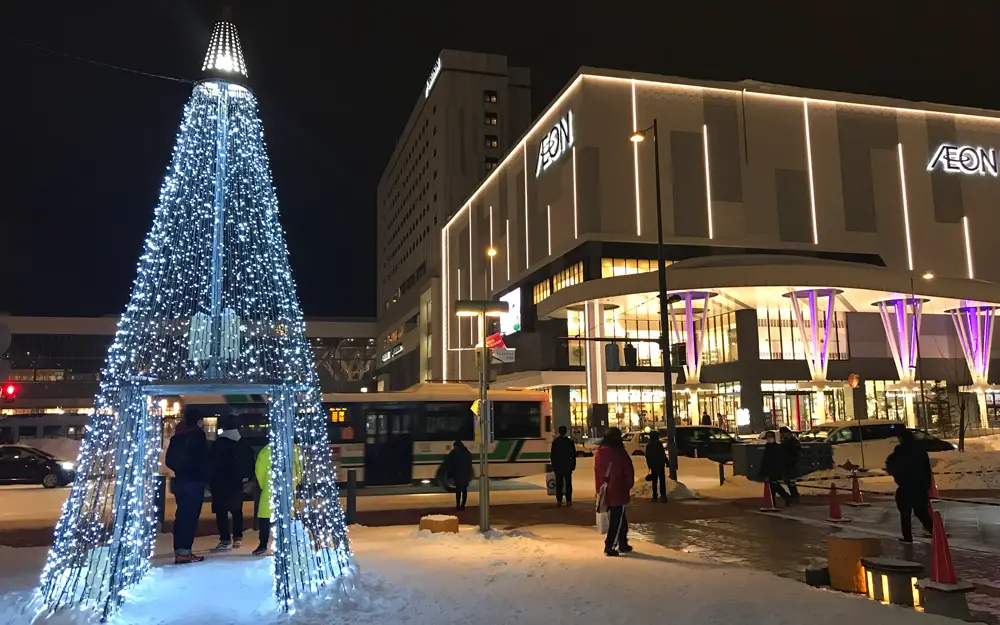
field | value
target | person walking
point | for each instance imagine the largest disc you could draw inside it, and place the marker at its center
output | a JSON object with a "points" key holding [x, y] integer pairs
{"points": [[562, 456], [613, 471], [791, 449], [232, 464], [910, 466], [656, 461], [262, 470], [458, 465], [187, 457], [772, 468]]}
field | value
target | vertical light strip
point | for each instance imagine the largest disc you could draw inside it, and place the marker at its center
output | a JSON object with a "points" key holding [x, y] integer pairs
{"points": [[708, 183], [472, 287], [444, 304], [507, 239], [635, 164], [576, 226], [968, 247], [906, 207], [492, 248], [458, 348], [809, 163], [548, 221], [527, 260]]}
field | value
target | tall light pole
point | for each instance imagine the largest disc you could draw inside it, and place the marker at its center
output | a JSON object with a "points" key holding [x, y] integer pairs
{"points": [[668, 390], [483, 309], [925, 418]]}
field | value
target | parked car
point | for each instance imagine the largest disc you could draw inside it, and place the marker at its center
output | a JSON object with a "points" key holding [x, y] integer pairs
{"points": [[635, 443], [867, 443], [777, 433], [26, 465], [585, 447], [703, 441]]}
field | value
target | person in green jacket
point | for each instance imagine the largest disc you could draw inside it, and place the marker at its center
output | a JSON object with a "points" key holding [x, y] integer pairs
{"points": [[262, 470]]}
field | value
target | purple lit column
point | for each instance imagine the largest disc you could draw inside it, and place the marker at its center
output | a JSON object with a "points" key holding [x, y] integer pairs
{"points": [[813, 311], [687, 325], [974, 325], [901, 320]]}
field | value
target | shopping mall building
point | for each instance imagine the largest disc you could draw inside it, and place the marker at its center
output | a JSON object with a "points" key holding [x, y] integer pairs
{"points": [[811, 238]]}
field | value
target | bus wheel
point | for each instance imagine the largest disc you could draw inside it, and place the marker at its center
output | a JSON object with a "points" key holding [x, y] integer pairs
{"points": [[442, 479]]}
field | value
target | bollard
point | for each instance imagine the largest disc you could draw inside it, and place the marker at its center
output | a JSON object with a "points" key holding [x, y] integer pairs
{"points": [[722, 473], [352, 495], [161, 500]]}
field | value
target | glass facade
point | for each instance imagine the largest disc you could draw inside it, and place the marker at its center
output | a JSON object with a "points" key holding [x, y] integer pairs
{"points": [[778, 335], [611, 267], [567, 277], [787, 405], [542, 290]]}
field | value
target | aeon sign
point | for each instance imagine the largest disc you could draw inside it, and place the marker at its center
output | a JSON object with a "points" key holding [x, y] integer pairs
{"points": [[964, 159], [557, 142]]}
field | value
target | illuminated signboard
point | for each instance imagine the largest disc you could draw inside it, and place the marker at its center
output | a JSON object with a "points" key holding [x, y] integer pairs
{"points": [[965, 159], [433, 77], [510, 322], [390, 354], [555, 143]]}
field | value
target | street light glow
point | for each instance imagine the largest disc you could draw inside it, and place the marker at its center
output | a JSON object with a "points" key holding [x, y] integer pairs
{"points": [[638, 136], [928, 275], [491, 252]]}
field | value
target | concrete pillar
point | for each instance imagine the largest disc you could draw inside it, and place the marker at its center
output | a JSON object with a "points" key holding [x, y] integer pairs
{"points": [[751, 397], [596, 365], [560, 408]]}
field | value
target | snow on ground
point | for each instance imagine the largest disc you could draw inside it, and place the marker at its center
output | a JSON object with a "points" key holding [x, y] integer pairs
{"points": [[548, 574], [990, 442]]}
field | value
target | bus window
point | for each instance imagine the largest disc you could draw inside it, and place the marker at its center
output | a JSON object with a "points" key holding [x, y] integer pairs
{"points": [[516, 419], [447, 421]]}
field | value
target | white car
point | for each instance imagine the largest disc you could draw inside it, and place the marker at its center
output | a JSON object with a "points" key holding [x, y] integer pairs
{"points": [[865, 444]]}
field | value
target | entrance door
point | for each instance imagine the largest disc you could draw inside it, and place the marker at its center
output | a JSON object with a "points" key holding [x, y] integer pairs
{"points": [[388, 447]]}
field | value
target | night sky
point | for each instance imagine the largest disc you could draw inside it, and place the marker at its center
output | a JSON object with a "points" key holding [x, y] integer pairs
{"points": [[84, 147]]}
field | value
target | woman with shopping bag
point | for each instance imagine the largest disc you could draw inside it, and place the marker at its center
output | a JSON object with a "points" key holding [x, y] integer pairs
{"points": [[614, 478]]}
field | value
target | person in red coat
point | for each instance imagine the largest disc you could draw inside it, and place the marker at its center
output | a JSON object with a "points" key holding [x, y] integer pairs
{"points": [[613, 465]]}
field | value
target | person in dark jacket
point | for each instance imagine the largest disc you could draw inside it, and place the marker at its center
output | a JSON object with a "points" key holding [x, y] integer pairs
{"points": [[563, 460], [706, 419], [613, 466], [232, 464], [791, 449], [910, 466], [459, 465], [656, 461], [772, 468], [187, 457]]}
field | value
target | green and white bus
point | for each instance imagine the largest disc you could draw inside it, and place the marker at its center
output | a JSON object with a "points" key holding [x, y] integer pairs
{"points": [[403, 437]]}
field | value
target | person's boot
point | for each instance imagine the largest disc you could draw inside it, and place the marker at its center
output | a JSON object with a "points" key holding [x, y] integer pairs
{"points": [[237, 543], [260, 550], [187, 558], [611, 553], [224, 545]]}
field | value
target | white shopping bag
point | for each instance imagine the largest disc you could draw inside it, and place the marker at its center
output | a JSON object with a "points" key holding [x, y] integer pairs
{"points": [[603, 522]]}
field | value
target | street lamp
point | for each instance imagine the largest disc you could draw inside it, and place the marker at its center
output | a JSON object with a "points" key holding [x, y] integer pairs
{"points": [[668, 392], [483, 309]]}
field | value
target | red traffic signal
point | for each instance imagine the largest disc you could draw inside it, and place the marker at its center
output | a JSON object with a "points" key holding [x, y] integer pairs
{"points": [[8, 392]]}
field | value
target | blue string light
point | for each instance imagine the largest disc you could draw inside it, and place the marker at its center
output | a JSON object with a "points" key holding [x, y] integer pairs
{"points": [[213, 301]]}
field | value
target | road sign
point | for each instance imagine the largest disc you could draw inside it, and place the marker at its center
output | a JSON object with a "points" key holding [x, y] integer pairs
{"points": [[505, 354], [495, 341]]}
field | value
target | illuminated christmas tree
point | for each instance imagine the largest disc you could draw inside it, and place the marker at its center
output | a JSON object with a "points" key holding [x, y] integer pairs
{"points": [[213, 310]]}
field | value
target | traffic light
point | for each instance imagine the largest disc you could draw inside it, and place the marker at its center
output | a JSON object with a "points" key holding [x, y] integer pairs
{"points": [[8, 392]]}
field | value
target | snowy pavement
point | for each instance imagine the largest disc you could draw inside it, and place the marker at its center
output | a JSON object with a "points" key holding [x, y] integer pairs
{"points": [[544, 574]]}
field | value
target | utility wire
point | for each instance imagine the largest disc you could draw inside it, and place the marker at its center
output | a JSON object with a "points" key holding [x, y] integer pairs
{"points": [[37, 48]]}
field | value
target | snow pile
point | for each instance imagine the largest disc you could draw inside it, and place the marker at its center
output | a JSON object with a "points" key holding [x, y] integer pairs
{"points": [[555, 575], [966, 463], [675, 490], [981, 443], [61, 447]]}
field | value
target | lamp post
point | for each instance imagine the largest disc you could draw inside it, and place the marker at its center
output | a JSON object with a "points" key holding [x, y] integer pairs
{"points": [[668, 391], [925, 422], [483, 309]]}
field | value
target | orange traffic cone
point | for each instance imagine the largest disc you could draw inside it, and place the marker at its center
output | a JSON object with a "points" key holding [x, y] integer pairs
{"points": [[857, 500], [767, 503], [934, 491], [835, 514], [942, 569]]}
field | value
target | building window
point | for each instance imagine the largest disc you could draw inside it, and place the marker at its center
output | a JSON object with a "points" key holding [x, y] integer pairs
{"points": [[492, 141], [720, 338], [491, 163], [568, 277], [611, 267], [491, 119], [542, 290], [785, 404], [490, 97], [778, 335]]}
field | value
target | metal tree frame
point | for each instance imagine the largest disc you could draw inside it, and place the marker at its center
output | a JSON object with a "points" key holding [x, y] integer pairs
{"points": [[213, 310]]}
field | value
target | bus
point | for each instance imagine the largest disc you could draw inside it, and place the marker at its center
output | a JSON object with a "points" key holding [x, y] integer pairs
{"points": [[403, 437]]}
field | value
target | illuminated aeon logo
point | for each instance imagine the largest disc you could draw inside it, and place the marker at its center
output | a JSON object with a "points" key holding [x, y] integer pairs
{"points": [[964, 159], [555, 143], [433, 77]]}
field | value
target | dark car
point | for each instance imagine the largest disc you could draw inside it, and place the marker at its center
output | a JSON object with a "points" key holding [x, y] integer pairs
{"points": [[703, 441], [932, 443], [27, 465]]}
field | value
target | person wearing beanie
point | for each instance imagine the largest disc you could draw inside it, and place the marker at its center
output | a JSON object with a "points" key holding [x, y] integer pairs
{"points": [[232, 465]]}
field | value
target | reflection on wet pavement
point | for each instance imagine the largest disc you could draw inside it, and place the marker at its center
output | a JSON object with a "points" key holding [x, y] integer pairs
{"points": [[785, 547]]}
